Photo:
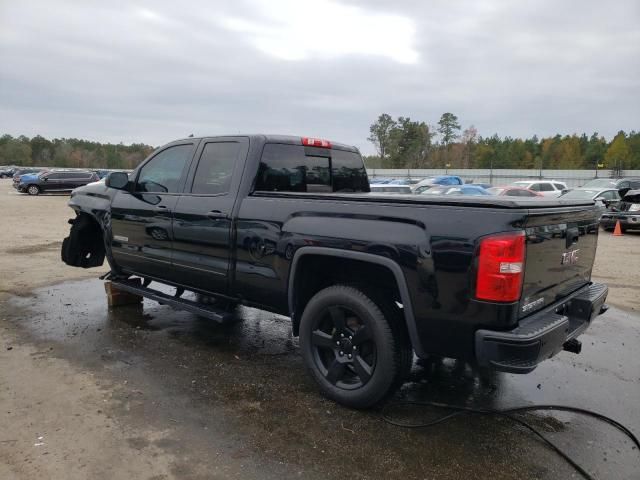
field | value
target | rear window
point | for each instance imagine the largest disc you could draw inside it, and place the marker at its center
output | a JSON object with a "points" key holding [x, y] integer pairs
{"points": [[294, 168]]}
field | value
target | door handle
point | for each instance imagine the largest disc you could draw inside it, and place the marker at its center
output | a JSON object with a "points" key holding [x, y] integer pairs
{"points": [[215, 214], [162, 208]]}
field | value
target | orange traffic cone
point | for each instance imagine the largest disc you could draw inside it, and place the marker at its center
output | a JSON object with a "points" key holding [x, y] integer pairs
{"points": [[617, 232]]}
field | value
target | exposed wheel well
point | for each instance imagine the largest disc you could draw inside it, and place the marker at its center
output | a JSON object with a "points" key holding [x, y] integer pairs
{"points": [[316, 272], [84, 247]]}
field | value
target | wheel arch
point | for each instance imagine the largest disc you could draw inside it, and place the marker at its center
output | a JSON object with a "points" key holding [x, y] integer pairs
{"points": [[388, 264]]}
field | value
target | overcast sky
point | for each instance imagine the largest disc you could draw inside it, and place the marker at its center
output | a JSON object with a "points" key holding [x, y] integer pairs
{"points": [[159, 70]]}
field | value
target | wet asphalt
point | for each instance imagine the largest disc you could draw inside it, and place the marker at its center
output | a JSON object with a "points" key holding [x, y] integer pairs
{"points": [[242, 390]]}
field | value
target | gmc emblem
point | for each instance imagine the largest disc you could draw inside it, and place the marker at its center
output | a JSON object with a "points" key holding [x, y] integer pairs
{"points": [[569, 258]]}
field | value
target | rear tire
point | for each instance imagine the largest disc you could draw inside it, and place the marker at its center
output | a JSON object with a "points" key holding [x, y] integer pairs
{"points": [[351, 349], [33, 190]]}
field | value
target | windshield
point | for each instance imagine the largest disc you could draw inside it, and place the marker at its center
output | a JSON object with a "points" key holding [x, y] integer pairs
{"points": [[581, 194], [600, 183]]}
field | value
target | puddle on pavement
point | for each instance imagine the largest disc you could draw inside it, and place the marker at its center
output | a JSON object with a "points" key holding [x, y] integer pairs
{"points": [[67, 310], [255, 367]]}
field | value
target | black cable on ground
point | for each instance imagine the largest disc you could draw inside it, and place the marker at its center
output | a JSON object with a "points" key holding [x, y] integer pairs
{"points": [[509, 413]]}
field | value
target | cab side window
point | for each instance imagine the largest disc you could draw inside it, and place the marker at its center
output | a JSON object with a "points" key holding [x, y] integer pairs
{"points": [[215, 168], [286, 168], [163, 172]]}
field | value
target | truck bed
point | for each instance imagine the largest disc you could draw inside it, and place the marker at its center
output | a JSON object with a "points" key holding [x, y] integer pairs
{"points": [[469, 200]]}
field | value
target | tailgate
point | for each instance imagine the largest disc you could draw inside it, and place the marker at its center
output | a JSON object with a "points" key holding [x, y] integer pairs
{"points": [[561, 247]]}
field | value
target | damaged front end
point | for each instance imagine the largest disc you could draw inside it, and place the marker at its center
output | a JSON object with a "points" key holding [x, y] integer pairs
{"points": [[86, 245]]}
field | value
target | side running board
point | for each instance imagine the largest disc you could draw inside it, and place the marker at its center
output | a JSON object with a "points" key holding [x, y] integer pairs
{"points": [[207, 311]]}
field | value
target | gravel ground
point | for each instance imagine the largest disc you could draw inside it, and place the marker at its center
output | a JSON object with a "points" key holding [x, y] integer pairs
{"points": [[152, 393]]}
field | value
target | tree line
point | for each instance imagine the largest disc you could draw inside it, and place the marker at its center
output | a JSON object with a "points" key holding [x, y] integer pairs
{"points": [[70, 153], [400, 143], [406, 143]]}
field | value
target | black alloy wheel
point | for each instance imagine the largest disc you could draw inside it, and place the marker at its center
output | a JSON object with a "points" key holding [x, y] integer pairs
{"points": [[350, 348], [343, 349]]}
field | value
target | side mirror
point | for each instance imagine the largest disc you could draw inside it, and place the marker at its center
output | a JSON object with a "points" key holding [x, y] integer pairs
{"points": [[117, 180]]}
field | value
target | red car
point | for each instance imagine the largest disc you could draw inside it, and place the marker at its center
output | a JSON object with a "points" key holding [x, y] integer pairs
{"points": [[513, 192]]}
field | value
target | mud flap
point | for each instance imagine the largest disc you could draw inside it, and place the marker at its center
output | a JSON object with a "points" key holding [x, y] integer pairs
{"points": [[84, 246]]}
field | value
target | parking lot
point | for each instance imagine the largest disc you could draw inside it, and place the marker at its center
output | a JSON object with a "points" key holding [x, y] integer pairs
{"points": [[148, 392]]}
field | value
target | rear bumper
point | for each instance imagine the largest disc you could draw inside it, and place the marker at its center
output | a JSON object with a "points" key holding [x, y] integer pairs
{"points": [[543, 334]]}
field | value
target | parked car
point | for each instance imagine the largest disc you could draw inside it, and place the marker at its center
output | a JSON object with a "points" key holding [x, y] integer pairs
{"points": [[403, 181], [17, 173], [547, 188], [288, 225], [390, 188], [627, 212], [608, 196], [427, 183], [456, 190], [483, 185], [513, 192], [379, 180], [101, 173], [55, 181], [7, 172], [605, 198], [632, 183]]}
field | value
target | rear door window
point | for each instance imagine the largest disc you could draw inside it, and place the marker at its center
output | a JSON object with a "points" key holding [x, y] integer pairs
{"points": [[213, 175], [545, 187]]}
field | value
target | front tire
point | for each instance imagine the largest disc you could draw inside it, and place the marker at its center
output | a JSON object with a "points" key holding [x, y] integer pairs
{"points": [[33, 190], [350, 348]]}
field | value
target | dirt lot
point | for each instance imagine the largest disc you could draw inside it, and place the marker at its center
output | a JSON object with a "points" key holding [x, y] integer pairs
{"points": [[152, 393]]}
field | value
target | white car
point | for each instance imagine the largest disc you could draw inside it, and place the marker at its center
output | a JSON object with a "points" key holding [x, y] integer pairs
{"points": [[547, 188]]}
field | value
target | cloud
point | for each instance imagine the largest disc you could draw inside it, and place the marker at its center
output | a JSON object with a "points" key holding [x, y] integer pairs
{"points": [[153, 71], [293, 30]]}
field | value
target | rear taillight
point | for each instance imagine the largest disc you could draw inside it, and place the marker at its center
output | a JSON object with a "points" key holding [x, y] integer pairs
{"points": [[315, 142], [501, 267]]}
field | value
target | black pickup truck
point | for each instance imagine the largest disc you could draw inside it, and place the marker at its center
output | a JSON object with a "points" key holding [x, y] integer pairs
{"points": [[288, 225]]}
